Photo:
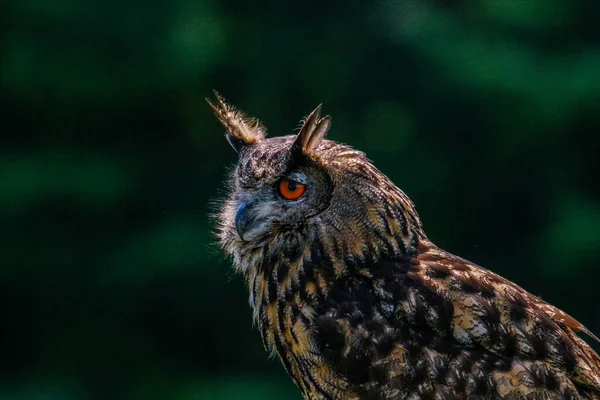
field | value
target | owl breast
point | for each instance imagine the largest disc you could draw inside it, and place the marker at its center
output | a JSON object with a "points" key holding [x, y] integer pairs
{"points": [[409, 329]]}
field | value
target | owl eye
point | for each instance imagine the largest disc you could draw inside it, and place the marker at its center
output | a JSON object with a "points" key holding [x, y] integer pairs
{"points": [[291, 190]]}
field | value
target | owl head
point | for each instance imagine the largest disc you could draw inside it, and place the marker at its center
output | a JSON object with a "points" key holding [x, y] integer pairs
{"points": [[297, 190]]}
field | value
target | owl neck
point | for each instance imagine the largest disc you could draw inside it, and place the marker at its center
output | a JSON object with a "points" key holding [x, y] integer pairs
{"points": [[300, 264], [288, 280]]}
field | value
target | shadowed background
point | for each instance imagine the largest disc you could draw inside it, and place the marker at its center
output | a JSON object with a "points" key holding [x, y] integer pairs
{"points": [[485, 113]]}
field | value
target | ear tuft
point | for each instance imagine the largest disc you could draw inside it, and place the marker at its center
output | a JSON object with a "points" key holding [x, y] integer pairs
{"points": [[313, 130], [241, 128]]}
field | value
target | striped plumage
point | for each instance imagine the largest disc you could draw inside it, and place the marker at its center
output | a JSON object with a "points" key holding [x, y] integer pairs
{"points": [[356, 301]]}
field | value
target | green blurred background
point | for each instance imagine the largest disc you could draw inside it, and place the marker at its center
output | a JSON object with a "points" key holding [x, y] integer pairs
{"points": [[485, 112]]}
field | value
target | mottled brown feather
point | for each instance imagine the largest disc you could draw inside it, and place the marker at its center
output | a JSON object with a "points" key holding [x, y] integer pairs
{"points": [[236, 122], [357, 302]]}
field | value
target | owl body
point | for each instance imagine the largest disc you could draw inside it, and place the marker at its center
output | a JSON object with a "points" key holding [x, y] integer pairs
{"points": [[357, 302]]}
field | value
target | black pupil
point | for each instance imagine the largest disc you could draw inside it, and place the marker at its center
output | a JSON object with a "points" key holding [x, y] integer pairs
{"points": [[292, 186]]}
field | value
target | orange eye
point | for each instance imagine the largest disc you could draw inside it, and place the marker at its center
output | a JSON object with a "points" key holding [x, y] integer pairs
{"points": [[291, 190]]}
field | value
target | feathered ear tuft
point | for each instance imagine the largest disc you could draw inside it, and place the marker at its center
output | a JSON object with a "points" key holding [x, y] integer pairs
{"points": [[241, 128], [313, 130]]}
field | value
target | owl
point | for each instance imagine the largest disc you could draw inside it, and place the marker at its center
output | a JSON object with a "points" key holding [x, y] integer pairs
{"points": [[355, 300]]}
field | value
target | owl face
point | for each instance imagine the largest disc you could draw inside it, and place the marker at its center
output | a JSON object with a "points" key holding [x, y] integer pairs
{"points": [[304, 189], [273, 191]]}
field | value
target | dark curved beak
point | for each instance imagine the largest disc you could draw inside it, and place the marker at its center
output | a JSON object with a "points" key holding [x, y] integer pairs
{"points": [[249, 222], [242, 219]]}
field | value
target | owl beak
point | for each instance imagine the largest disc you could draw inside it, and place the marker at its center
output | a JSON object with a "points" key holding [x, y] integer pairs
{"points": [[242, 219], [249, 222]]}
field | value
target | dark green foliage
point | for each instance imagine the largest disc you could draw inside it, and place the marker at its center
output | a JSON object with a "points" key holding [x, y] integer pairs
{"points": [[486, 113]]}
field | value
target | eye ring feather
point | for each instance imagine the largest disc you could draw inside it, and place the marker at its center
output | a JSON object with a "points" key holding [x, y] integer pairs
{"points": [[290, 189]]}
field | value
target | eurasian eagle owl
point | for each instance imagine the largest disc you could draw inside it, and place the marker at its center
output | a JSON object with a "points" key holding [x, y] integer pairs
{"points": [[355, 300]]}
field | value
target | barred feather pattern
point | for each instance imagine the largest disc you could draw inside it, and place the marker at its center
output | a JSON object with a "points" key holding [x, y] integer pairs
{"points": [[432, 326], [358, 303]]}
